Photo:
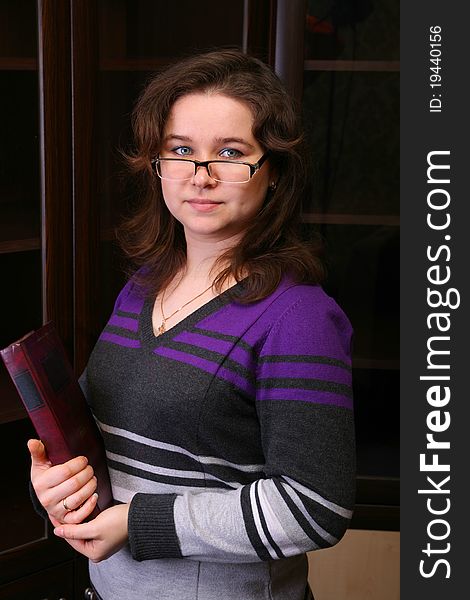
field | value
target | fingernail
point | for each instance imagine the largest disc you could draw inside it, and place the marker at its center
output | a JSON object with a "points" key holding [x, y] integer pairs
{"points": [[95, 496], [59, 532]]}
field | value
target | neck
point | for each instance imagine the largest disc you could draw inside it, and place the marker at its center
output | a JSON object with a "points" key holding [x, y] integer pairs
{"points": [[201, 255]]}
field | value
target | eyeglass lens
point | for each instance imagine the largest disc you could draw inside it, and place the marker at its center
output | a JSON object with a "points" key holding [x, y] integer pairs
{"points": [[221, 171]]}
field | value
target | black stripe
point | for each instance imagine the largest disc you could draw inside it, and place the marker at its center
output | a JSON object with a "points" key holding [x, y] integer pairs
{"points": [[302, 358], [307, 384], [264, 525], [202, 483], [172, 459], [213, 356], [125, 333], [213, 334], [124, 313], [299, 517], [222, 336], [319, 512], [250, 525], [118, 444]]}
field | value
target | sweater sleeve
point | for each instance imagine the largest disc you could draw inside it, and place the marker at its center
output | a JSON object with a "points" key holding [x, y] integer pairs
{"points": [[305, 500]]}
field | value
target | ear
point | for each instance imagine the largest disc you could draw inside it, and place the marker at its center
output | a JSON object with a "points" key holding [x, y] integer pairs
{"points": [[273, 178]]}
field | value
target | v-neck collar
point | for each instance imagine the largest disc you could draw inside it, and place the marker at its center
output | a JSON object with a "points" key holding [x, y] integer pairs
{"points": [[151, 341]]}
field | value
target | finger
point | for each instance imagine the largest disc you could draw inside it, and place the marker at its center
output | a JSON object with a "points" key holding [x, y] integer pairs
{"points": [[66, 489], [54, 521], [60, 473], [51, 496], [79, 515], [83, 531], [38, 454], [75, 500]]}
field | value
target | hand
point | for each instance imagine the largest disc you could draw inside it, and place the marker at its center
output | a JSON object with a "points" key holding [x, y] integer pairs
{"points": [[72, 481], [100, 538]]}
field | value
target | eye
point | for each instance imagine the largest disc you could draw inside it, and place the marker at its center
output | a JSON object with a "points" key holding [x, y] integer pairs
{"points": [[231, 153], [182, 150]]}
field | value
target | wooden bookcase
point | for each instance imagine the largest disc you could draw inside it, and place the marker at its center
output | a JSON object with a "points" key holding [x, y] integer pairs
{"points": [[70, 72]]}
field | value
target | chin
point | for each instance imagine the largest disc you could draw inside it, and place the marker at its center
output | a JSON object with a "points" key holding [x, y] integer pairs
{"points": [[214, 233]]}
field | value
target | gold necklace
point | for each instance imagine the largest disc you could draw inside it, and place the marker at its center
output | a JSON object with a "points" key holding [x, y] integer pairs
{"points": [[162, 327]]}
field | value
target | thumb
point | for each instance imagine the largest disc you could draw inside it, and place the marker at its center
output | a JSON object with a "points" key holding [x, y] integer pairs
{"points": [[38, 454]]}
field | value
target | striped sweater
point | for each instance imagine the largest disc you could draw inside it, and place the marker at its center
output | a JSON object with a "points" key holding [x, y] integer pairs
{"points": [[232, 437]]}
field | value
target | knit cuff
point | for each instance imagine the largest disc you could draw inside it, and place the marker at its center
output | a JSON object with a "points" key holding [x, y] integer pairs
{"points": [[151, 525]]}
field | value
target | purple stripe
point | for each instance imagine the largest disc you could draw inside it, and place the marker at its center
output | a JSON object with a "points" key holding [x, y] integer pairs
{"points": [[120, 341], [133, 304], [302, 395], [202, 341], [124, 322], [233, 352], [229, 318], [305, 371], [209, 367]]}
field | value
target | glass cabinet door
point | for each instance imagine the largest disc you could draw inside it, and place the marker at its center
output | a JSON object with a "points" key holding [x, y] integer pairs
{"points": [[20, 254], [351, 111], [27, 268], [344, 70], [133, 39]]}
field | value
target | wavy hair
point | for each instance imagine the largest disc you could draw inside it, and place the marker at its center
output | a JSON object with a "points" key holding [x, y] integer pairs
{"points": [[271, 246]]}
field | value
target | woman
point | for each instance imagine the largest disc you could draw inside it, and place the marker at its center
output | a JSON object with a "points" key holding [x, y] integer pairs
{"points": [[222, 381]]}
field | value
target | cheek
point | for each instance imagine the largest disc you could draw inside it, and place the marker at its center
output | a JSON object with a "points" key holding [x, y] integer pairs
{"points": [[170, 195], [257, 195], [166, 191]]}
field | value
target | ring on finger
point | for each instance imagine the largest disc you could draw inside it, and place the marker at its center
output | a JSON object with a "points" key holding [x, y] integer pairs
{"points": [[64, 504]]}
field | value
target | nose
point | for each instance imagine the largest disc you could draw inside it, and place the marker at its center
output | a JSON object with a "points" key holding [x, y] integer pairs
{"points": [[201, 177]]}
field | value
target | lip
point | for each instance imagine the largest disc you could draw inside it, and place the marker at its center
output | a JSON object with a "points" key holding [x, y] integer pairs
{"points": [[203, 204]]}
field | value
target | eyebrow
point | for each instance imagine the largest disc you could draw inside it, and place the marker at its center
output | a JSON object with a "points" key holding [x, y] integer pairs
{"points": [[226, 140]]}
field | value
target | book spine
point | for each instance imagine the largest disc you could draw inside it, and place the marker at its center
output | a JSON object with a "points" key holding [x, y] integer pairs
{"points": [[30, 391]]}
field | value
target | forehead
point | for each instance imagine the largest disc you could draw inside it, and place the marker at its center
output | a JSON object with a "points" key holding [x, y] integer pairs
{"points": [[203, 114]]}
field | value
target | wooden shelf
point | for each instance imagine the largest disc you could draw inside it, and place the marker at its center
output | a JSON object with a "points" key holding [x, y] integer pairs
{"points": [[378, 490], [20, 225], [10, 246], [18, 64], [350, 219], [379, 364], [352, 65]]}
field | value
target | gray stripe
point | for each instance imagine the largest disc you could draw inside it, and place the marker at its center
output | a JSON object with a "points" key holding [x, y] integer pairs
{"points": [[206, 460], [137, 464], [257, 520], [125, 486], [302, 358], [315, 526], [270, 499], [339, 510]]}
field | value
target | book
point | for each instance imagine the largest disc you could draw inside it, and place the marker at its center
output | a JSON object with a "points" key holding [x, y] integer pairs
{"points": [[56, 405]]}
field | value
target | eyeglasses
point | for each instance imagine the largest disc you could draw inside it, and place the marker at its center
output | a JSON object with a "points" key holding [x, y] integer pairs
{"points": [[224, 171]]}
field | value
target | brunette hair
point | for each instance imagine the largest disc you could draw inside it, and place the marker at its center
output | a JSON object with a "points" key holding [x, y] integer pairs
{"points": [[271, 246]]}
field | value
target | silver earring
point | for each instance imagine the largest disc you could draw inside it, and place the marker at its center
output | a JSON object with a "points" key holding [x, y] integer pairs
{"points": [[273, 186]]}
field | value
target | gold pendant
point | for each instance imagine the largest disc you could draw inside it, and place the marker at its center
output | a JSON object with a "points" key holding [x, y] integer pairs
{"points": [[161, 329]]}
